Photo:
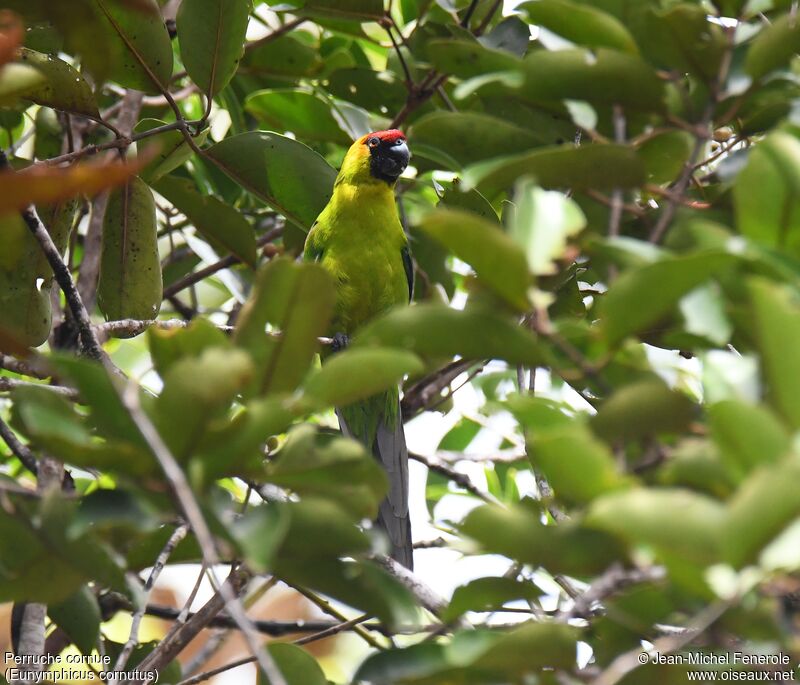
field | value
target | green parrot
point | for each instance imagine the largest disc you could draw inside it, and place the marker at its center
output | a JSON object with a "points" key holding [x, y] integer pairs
{"points": [[359, 240]]}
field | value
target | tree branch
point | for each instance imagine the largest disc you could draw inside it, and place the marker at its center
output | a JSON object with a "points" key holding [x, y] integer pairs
{"points": [[205, 539]]}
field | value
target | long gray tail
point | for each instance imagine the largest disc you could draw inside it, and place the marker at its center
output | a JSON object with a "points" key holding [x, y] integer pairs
{"points": [[389, 448]]}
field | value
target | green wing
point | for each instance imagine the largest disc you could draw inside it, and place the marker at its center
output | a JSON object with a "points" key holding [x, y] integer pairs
{"points": [[408, 265]]}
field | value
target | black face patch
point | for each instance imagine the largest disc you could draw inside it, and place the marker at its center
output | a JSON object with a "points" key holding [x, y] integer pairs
{"points": [[388, 158]]}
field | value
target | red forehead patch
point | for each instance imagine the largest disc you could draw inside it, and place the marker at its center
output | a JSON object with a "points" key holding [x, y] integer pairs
{"points": [[388, 136]]}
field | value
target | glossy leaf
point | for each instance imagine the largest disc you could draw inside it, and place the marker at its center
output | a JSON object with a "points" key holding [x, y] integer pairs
{"points": [[64, 88], [143, 44], [297, 300], [282, 172], [432, 330], [777, 321], [603, 77], [211, 34], [303, 113], [357, 373], [468, 137], [79, 617], [542, 223], [671, 520], [578, 466], [295, 664], [130, 270], [220, 224], [166, 151], [341, 471], [624, 309], [773, 47], [641, 409], [767, 193], [518, 533], [580, 23], [497, 260], [603, 167]]}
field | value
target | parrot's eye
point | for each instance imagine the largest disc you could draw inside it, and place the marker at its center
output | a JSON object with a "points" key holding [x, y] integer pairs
{"points": [[399, 141], [373, 142]]}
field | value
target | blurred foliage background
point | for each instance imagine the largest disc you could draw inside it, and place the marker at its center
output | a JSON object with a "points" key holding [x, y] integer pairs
{"points": [[604, 211]]}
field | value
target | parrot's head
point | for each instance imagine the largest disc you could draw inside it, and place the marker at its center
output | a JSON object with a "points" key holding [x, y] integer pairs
{"points": [[381, 155]]}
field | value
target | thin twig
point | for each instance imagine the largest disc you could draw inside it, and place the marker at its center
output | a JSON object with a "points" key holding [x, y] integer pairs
{"points": [[63, 277], [460, 479], [20, 451], [224, 263], [133, 639], [630, 661], [196, 520]]}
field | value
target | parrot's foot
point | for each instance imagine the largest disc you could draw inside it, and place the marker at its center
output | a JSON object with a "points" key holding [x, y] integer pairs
{"points": [[340, 341]]}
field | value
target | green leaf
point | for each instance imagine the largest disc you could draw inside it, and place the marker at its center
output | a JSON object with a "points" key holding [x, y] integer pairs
{"points": [[24, 307], [285, 57], [683, 38], [475, 656], [670, 519], [497, 260], [577, 465], [296, 665], [599, 167], [376, 91], [603, 77], [542, 222], [211, 34], [79, 617], [580, 24], [305, 114], [747, 435], [764, 505], [168, 149], [468, 137], [130, 269], [665, 154], [466, 59], [776, 323], [171, 345], [197, 391], [142, 41], [220, 224], [260, 533], [773, 47], [488, 594], [64, 88], [344, 9], [432, 330], [290, 177], [358, 373], [297, 300], [454, 197], [17, 80], [767, 193], [519, 534], [644, 408], [640, 297], [341, 471]]}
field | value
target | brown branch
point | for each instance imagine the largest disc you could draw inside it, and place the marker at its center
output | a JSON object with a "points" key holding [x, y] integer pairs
{"points": [[224, 263], [178, 534], [277, 33], [703, 133], [460, 479], [20, 451]]}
